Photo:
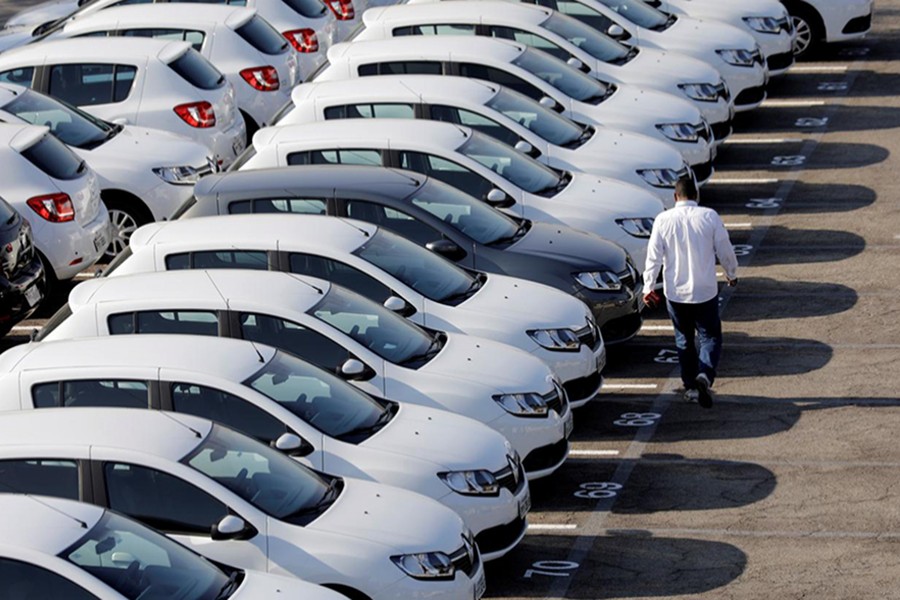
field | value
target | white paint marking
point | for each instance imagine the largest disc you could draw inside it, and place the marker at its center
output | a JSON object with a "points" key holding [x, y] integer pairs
{"points": [[819, 69], [630, 386], [593, 452], [658, 328], [24, 328], [748, 181], [83, 276], [765, 141], [792, 103], [551, 526], [738, 225]]}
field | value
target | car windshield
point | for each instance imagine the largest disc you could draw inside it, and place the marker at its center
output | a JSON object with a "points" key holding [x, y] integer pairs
{"points": [[473, 218], [569, 81], [71, 125], [601, 47], [326, 402], [542, 121], [388, 335], [638, 13], [424, 271], [272, 482], [138, 562], [510, 164]]}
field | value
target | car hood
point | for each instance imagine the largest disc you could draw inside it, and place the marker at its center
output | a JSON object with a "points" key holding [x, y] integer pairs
{"points": [[639, 150], [636, 106], [658, 65], [43, 12], [258, 585], [489, 363], [606, 198], [402, 521], [150, 148], [448, 440], [706, 35], [577, 248]]}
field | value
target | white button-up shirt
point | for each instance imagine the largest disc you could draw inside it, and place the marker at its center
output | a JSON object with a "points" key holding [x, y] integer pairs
{"points": [[684, 243]]}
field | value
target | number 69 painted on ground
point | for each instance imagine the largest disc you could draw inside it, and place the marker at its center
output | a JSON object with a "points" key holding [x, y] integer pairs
{"points": [[597, 490]]}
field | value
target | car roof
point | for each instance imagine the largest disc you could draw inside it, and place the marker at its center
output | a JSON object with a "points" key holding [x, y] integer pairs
{"points": [[458, 11], [103, 49], [260, 183], [362, 133], [215, 289], [398, 88], [166, 435], [43, 524], [150, 15], [426, 47], [258, 231], [231, 359], [19, 136]]}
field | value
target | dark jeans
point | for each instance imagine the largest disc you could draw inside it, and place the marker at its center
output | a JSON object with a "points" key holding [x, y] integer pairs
{"points": [[702, 319]]}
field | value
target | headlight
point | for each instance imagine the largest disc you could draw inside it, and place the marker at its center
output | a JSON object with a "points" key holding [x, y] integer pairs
{"points": [[679, 132], [737, 57], [426, 565], [555, 339], [527, 404], [605, 281], [763, 24], [661, 178], [638, 227], [178, 175], [702, 92], [471, 483]]}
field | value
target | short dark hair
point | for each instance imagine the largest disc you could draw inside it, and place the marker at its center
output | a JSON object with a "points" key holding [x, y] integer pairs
{"points": [[686, 188]]}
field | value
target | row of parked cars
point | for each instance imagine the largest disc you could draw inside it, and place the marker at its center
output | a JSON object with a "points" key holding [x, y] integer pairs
{"points": [[346, 321]]}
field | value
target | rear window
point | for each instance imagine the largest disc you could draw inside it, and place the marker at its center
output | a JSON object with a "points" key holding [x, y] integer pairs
{"points": [[53, 158], [262, 36], [197, 71], [308, 8]]}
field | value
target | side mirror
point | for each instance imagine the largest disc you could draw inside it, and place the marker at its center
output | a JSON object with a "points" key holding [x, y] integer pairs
{"points": [[498, 198], [354, 369], [400, 306], [232, 527], [120, 121], [574, 62], [615, 31], [523, 147], [548, 102], [447, 249], [292, 445]]}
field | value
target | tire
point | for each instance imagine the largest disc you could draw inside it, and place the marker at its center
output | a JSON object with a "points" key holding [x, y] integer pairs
{"points": [[809, 30], [125, 219]]}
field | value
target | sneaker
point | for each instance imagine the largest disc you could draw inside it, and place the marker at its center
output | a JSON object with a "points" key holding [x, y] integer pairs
{"points": [[705, 395], [691, 395]]}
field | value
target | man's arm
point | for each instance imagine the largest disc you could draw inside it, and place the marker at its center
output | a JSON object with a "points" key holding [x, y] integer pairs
{"points": [[725, 251], [655, 252]]}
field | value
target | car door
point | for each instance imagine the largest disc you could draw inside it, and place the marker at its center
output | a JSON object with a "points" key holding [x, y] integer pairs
{"points": [[108, 90]]}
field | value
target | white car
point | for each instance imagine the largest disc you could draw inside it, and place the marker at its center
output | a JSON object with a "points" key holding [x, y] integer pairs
{"points": [[474, 163], [827, 21], [568, 40], [257, 60], [338, 330], [538, 75], [307, 24], [734, 53], [413, 282], [144, 174], [307, 413], [501, 113], [58, 194], [147, 82], [57, 548], [239, 502], [766, 20]]}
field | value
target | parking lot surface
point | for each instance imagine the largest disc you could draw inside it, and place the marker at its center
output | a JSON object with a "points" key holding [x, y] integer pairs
{"points": [[790, 486]]}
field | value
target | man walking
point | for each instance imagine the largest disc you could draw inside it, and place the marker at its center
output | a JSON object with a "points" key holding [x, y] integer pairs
{"points": [[685, 243]]}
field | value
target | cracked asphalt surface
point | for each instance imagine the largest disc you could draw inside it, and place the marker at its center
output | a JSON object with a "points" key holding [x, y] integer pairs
{"points": [[789, 487]]}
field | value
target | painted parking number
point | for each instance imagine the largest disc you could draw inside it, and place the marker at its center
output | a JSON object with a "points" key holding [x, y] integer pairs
{"points": [[834, 86], [551, 568], [811, 122], [666, 357], [597, 490], [636, 419], [764, 203], [794, 160]]}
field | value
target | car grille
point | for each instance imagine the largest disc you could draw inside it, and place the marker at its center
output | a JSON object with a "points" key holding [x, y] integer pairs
{"points": [[703, 171], [466, 558], [721, 130], [583, 387], [859, 24], [703, 130], [751, 96], [758, 57], [512, 476], [722, 91], [546, 456], [589, 335], [556, 399], [778, 62], [622, 329], [500, 537]]}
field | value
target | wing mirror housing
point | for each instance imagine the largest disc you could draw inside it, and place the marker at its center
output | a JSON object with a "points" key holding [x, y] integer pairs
{"points": [[292, 445], [400, 306], [526, 149], [574, 62], [615, 31], [447, 249], [232, 527], [499, 198], [354, 369]]}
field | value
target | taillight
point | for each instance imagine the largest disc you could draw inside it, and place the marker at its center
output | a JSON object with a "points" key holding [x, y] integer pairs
{"points": [[197, 114], [342, 9], [303, 40], [264, 79], [56, 208]]}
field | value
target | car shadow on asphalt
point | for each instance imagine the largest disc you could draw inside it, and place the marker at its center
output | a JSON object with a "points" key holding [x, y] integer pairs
{"points": [[827, 86], [618, 564], [766, 299], [784, 156], [805, 199]]}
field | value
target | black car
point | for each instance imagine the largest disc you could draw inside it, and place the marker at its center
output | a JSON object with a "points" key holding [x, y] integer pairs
{"points": [[22, 283], [444, 220]]}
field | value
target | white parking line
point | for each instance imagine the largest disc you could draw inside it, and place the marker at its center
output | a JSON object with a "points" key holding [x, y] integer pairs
{"points": [[593, 452], [550, 526], [24, 328], [792, 103], [747, 181], [630, 386], [738, 225], [84, 276], [658, 328], [819, 69], [765, 141]]}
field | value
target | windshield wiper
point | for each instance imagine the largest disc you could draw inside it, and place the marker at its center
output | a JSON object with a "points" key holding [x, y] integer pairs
{"points": [[382, 420], [230, 585], [520, 231], [433, 348], [327, 500]]}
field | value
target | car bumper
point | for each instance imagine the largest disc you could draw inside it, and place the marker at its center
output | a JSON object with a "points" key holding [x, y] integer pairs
{"points": [[742, 79], [21, 295], [847, 20], [462, 587], [225, 144], [541, 442], [261, 106], [617, 317], [568, 366], [72, 247], [777, 49]]}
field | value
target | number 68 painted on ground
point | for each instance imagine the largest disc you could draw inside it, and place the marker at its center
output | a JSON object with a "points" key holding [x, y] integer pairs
{"points": [[597, 490]]}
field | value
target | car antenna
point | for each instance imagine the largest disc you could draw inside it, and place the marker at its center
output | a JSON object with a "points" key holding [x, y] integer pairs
{"points": [[258, 353], [297, 277], [413, 92], [50, 506], [357, 227], [186, 426]]}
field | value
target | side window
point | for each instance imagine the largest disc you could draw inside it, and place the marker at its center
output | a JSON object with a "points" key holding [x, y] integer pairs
{"points": [[529, 39], [295, 339], [345, 157], [118, 393], [89, 84], [475, 71], [299, 158], [475, 121], [447, 171], [225, 408], [304, 206], [178, 262], [341, 274], [367, 70], [161, 500], [457, 29], [369, 111], [22, 76], [44, 477], [222, 259], [177, 321], [195, 38], [240, 207], [393, 220], [408, 67], [30, 582]]}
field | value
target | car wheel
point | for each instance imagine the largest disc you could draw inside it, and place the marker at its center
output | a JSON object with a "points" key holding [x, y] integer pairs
{"points": [[808, 32], [125, 222]]}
